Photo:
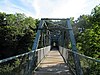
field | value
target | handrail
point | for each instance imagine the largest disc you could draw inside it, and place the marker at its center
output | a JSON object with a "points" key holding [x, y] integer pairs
{"points": [[14, 57], [88, 64], [87, 57]]}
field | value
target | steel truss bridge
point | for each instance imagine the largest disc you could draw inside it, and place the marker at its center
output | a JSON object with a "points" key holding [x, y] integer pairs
{"points": [[50, 54]]}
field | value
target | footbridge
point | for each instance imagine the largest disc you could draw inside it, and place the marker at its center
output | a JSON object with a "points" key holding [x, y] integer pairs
{"points": [[51, 53]]}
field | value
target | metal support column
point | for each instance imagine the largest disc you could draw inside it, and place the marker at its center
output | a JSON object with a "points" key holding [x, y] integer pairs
{"points": [[34, 47], [41, 39], [63, 39], [73, 43], [47, 38]]}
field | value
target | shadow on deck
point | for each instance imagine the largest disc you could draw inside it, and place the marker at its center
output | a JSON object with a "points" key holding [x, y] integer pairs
{"points": [[52, 64]]}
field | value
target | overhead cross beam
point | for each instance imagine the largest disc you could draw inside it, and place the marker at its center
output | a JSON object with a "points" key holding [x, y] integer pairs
{"points": [[53, 19]]}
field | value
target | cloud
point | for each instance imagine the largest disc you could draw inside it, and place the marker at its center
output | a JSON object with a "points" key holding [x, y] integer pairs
{"points": [[43, 7], [58, 8], [68, 8], [74, 8], [49, 8], [10, 7]]}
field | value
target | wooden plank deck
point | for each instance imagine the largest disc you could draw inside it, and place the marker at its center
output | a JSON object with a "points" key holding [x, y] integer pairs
{"points": [[52, 64]]}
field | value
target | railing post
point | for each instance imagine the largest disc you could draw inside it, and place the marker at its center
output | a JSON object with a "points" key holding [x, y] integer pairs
{"points": [[73, 43]]}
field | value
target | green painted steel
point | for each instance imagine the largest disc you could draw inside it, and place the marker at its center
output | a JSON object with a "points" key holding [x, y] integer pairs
{"points": [[36, 41], [73, 43]]}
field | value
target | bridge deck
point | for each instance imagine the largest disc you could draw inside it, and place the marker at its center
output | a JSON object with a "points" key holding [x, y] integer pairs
{"points": [[52, 64]]}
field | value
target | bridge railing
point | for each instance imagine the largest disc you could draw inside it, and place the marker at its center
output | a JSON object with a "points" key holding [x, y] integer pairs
{"points": [[68, 59], [19, 65], [90, 66]]}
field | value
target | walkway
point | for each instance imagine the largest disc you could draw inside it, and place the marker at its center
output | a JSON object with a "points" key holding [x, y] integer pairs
{"points": [[52, 64]]}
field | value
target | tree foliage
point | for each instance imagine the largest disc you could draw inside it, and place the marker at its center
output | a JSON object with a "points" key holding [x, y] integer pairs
{"points": [[16, 36], [89, 39]]}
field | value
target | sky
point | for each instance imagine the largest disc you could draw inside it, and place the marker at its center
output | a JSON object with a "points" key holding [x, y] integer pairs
{"points": [[49, 8]]}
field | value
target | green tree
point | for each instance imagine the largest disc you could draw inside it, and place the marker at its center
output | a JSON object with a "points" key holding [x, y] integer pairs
{"points": [[89, 42], [16, 36], [2, 19]]}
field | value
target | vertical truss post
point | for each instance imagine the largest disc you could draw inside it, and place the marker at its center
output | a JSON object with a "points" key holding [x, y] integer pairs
{"points": [[46, 38], [67, 40], [36, 41], [73, 43], [41, 39], [34, 47], [49, 37], [63, 39]]}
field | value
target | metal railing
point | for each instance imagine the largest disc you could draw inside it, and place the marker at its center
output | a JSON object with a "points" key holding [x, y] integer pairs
{"points": [[19, 65], [90, 66]]}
